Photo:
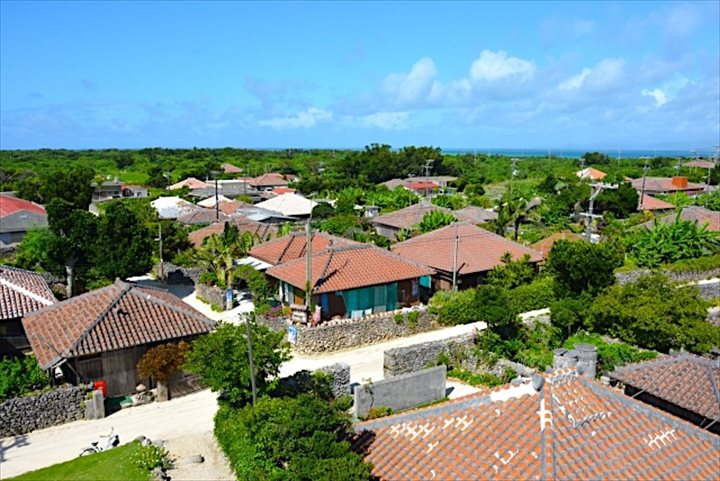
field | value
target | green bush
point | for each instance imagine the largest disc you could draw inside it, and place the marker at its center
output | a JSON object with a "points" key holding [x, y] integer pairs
{"points": [[455, 307], [610, 354], [20, 376], [699, 264], [152, 456], [378, 412], [482, 379], [399, 318], [536, 295], [412, 319]]}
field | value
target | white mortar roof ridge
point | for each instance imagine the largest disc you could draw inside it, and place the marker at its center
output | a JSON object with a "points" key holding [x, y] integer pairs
{"points": [[25, 292]]}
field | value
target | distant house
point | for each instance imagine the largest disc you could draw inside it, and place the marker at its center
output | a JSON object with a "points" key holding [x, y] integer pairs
{"points": [[682, 384], [544, 246], [413, 183], [667, 185], [172, 207], [291, 205], [264, 215], [111, 189], [230, 169], [21, 292], [17, 216], [210, 201], [475, 215], [422, 187], [557, 426], [269, 181], [472, 251], [103, 334], [201, 217], [702, 164], [388, 225], [693, 213], [260, 232], [352, 281], [650, 203], [191, 183], [294, 246], [591, 173], [232, 206]]}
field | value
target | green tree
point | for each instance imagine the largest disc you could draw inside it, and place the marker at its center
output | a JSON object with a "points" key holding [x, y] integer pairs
{"points": [[72, 185], [569, 315], [161, 362], [655, 314], [435, 220], [494, 307], [156, 177], [220, 251], [511, 273], [622, 201], [596, 158], [300, 438], [322, 211], [124, 244], [34, 251], [19, 376], [583, 267], [221, 360]]}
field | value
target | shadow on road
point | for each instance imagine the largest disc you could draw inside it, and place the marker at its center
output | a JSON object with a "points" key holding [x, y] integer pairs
{"points": [[16, 442]]}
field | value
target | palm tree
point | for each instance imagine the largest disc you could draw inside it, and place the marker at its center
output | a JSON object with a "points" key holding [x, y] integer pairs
{"points": [[220, 251]]}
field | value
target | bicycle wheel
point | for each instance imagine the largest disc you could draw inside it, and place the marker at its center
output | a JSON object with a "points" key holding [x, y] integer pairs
{"points": [[88, 451]]}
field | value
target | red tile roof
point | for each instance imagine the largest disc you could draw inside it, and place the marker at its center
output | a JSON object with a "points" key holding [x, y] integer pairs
{"points": [[478, 249], [546, 244], [349, 267], [230, 207], [422, 185], [200, 216], [268, 180], [652, 203], [476, 215], [283, 190], [692, 213], [685, 380], [592, 173], [572, 428], [115, 317], [703, 164], [22, 292], [10, 205], [665, 184], [230, 169], [190, 183], [259, 231], [409, 216], [294, 246]]}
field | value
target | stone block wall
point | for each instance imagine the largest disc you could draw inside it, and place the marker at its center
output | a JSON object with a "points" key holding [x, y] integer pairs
{"points": [[401, 392], [413, 358], [692, 276], [25, 414], [210, 294], [177, 274], [709, 290], [348, 333]]}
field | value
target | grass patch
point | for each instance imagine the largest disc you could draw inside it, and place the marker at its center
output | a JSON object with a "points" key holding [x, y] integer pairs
{"points": [[113, 465]]}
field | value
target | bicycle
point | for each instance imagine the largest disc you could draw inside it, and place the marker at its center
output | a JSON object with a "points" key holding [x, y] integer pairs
{"points": [[112, 441]]}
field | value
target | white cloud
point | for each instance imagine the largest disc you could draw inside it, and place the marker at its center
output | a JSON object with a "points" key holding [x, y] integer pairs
{"points": [[659, 96], [412, 87], [308, 118], [385, 120], [583, 27], [680, 19], [492, 66], [575, 82]]}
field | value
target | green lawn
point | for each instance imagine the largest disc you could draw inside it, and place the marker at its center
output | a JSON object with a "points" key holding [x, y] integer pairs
{"points": [[112, 465]]}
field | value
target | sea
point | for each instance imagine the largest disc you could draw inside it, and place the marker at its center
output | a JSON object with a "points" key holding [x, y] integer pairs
{"points": [[576, 154]]}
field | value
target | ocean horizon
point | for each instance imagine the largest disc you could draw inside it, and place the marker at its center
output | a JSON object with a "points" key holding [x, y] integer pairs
{"points": [[577, 153]]}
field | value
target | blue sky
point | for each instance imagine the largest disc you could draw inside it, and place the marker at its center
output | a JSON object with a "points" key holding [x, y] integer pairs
{"points": [[340, 74]]}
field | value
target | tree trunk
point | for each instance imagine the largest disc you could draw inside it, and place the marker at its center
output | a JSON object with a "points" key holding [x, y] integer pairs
{"points": [[163, 393]]}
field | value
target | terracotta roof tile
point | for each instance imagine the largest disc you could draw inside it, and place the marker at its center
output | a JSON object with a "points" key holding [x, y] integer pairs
{"points": [[546, 244], [268, 180], [688, 381], [191, 183], [294, 246], [409, 216], [230, 207], [10, 205], [118, 316], [572, 428], [664, 184], [259, 231], [22, 292], [201, 216], [475, 215], [230, 169], [478, 249], [349, 267], [591, 173], [692, 213], [652, 203]]}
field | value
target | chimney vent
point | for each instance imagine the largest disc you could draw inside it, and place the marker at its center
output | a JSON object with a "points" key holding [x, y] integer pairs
{"points": [[538, 382], [586, 359], [679, 181]]}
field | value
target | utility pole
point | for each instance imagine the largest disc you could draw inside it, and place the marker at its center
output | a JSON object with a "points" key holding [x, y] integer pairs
{"points": [[162, 268], [427, 167], [251, 361], [642, 189], [455, 256], [308, 257], [217, 204], [512, 173]]}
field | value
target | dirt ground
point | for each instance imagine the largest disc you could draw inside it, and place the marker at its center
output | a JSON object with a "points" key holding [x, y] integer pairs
{"points": [[215, 467]]}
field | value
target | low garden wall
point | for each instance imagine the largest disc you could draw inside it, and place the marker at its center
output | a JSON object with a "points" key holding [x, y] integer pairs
{"points": [[709, 290], [413, 358], [177, 274], [348, 333], [211, 294], [690, 276], [24, 414]]}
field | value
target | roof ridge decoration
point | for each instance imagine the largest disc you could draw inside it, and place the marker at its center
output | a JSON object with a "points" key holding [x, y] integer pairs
{"points": [[26, 292], [124, 289]]}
